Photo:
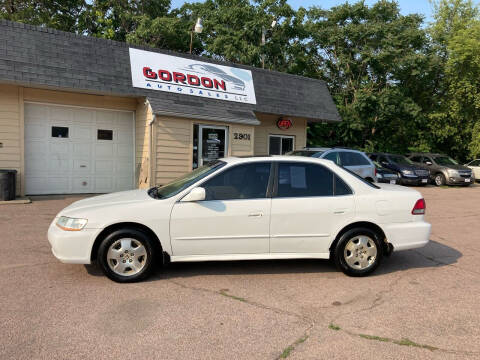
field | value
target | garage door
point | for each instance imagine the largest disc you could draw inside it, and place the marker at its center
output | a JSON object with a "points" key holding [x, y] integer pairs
{"points": [[71, 150]]}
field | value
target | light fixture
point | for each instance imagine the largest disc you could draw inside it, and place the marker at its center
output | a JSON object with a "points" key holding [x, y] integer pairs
{"points": [[199, 26]]}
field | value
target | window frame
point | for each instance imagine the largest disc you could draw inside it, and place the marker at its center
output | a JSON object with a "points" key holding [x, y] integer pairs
{"points": [[281, 140], [276, 174], [268, 194]]}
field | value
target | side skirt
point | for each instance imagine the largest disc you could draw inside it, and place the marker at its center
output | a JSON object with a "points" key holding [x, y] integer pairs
{"points": [[266, 256]]}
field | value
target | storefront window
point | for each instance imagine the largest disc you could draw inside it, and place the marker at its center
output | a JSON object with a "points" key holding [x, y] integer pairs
{"points": [[280, 144]]}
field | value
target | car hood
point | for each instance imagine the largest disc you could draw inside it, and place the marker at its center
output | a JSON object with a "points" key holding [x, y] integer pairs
{"points": [[108, 200], [456, 167]]}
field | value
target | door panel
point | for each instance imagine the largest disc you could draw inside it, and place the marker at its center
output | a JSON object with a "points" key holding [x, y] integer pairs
{"points": [[305, 211], [307, 225], [220, 227]]}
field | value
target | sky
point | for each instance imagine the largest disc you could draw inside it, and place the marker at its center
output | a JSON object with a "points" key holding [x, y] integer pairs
{"points": [[422, 7]]}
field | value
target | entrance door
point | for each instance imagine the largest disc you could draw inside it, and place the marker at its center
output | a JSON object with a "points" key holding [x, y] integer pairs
{"points": [[212, 143]]}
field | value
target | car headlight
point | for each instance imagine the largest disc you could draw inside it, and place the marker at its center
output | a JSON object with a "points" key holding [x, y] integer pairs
{"points": [[71, 224], [407, 172], [379, 175], [452, 172]]}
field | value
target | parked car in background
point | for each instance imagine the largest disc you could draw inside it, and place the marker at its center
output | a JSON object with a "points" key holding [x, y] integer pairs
{"points": [[353, 160], [385, 175], [443, 169], [408, 173], [475, 166], [244, 209]]}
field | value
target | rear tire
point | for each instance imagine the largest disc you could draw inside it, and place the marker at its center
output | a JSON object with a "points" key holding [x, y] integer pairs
{"points": [[439, 179], [126, 255], [358, 252]]}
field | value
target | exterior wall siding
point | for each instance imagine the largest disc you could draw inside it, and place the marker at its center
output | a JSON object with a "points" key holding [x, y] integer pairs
{"points": [[174, 145], [11, 131], [269, 127]]}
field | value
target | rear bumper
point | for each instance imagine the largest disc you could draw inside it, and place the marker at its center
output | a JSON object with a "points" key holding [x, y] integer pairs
{"points": [[405, 236], [73, 247]]}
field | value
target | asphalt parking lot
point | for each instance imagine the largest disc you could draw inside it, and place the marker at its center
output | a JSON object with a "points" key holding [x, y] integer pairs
{"points": [[420, 304]]}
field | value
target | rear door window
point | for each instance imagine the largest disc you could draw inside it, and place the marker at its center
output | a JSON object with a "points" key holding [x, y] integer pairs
{"points": [[298, 179]]}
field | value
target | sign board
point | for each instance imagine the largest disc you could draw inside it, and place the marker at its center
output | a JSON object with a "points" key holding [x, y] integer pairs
{"points": [[151, 70], [284, 123]]}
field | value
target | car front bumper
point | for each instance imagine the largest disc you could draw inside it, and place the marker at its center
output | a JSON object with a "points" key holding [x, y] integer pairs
{"points": [[414, 180], [405, 236], [459, 180], [73, 247]]}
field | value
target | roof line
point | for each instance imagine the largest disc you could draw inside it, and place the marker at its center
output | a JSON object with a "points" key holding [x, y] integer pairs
{"points": [[39, 28]]}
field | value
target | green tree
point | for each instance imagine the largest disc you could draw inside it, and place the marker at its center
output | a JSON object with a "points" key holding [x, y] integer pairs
{"points": [[453, 121], [115, 19], [377, 66], [61, 15]]}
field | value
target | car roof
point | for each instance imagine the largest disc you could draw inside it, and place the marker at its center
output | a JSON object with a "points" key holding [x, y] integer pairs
{"points": [[329, 148], [289, 158], [314, 149], [428, 154]]}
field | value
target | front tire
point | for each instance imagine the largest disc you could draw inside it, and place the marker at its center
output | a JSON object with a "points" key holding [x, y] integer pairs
{"points": [[439, 179], [126, 255], [358, 252]]}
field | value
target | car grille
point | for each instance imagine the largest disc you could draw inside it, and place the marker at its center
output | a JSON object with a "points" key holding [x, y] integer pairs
{"points": [[421, 172], [465, 173], [390, 176]]}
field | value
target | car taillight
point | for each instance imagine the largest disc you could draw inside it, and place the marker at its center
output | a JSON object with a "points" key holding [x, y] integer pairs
{"points": [[419, 208], [375, 171]]}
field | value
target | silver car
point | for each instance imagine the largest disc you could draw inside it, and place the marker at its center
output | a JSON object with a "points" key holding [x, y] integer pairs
{"points": [[354, 160]]}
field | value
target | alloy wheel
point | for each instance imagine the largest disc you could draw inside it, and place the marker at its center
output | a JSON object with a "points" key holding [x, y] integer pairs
{"points": [[126, 257], [360, 252]]}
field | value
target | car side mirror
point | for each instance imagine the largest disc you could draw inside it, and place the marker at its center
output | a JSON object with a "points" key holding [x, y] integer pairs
{"points": [[196, 194], [428, 163]]}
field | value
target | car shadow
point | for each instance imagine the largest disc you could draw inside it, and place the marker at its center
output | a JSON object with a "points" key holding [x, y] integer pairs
{"points": [[433, 255]]}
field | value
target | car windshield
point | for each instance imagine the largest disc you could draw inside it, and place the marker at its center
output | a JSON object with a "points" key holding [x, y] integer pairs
{"points": [[444, 160], [400, 160], [309, 153], [183, 182]]}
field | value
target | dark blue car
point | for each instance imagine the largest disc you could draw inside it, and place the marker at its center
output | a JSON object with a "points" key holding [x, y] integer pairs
{"points": [[408, 173]]}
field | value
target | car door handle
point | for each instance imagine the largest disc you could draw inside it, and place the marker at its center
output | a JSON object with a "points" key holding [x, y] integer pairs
{"points": [[339, 211], [256, 214]]}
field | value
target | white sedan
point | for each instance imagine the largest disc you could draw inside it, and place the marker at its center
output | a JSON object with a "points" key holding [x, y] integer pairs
{"points": [[244, 209]]}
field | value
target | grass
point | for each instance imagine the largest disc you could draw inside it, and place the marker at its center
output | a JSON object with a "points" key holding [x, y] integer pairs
{"points": [[372, 337], [224, 293], [403, 342], [408, 342], [286, 352], [332, 326]]}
